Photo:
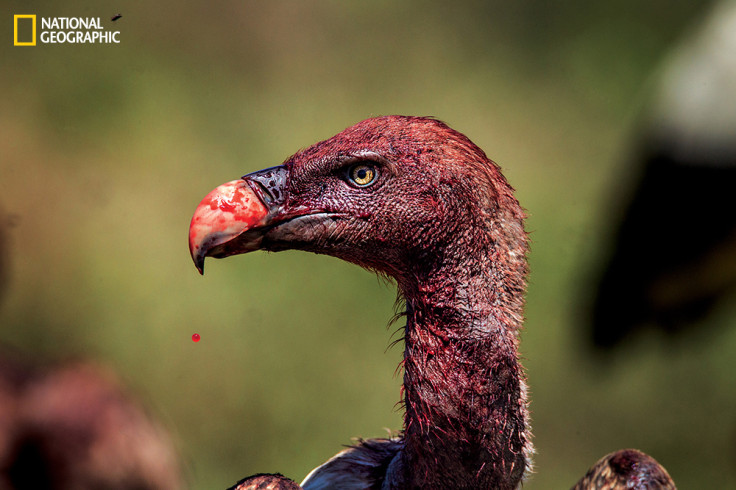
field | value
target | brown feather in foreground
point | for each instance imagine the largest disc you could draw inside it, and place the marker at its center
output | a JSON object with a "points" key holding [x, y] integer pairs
{"points": [[626, 469]]}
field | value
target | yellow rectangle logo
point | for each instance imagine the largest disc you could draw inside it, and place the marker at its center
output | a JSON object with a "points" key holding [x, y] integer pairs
{"points": [[16, 42]]}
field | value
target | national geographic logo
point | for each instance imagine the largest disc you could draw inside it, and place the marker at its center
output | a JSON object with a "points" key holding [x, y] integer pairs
{"points": [[24, 19], [62, 30]]}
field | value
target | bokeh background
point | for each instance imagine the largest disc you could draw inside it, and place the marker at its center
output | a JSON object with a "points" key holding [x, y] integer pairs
{"points": [[105, 150]]}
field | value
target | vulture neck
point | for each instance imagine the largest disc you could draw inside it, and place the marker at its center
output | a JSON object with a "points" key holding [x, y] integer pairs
{"points": [[464, 388]]}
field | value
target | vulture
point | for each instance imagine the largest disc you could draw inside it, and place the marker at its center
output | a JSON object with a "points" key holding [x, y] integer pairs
{"points": [[412, 199], [674, 250]]}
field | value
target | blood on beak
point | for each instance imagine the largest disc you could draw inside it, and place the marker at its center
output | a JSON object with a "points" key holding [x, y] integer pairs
{"points": [[224, 214]]}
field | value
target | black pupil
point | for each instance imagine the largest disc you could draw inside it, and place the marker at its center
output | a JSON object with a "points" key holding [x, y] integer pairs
{"points": [[362, 173]]}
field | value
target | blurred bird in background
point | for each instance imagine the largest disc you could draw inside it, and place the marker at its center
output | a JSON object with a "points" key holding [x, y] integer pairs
{"points": [[72, 425], [674, 252]]}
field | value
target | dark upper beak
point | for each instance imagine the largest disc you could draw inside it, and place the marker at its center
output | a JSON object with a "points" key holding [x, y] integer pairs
{"points": [[233, 217]]}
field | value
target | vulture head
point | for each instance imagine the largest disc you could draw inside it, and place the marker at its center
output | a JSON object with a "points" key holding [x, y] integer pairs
{"points": [[393, 194]]}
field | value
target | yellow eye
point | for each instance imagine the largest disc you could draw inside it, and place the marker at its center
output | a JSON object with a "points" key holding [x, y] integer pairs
{"points": [[363, 175]]}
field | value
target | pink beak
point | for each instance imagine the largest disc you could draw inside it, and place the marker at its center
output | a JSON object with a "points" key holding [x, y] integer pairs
{"points": [[224, 214]]}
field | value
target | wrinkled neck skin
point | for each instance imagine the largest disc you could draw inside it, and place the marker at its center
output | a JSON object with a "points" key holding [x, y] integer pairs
{"points": [[464, 388]]}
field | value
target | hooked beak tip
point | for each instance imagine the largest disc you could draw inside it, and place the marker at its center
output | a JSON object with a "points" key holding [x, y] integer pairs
{"points": [[197, 257]]}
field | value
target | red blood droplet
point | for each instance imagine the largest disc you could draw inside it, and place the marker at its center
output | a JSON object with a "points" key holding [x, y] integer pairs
{"points": [[195, 337]]}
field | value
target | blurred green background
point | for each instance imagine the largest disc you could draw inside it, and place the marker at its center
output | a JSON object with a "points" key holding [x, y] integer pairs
{"points": [[105, 150]]}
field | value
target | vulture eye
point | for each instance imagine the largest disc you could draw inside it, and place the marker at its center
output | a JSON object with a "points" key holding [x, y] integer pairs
{"points": [[362, 174]]}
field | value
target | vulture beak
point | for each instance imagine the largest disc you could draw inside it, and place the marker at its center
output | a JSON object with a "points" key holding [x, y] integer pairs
{"points": [[233, 217]]}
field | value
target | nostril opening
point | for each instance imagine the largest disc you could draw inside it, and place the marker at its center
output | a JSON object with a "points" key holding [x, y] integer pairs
{"points": [[267, 194]]}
